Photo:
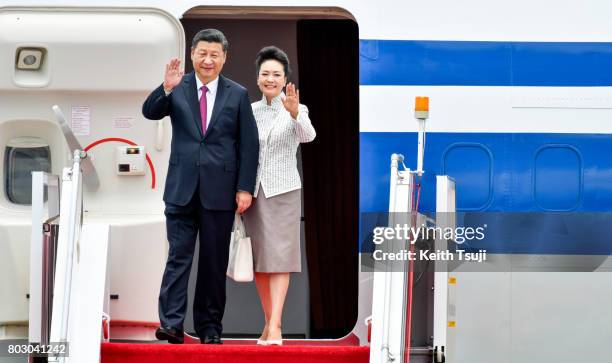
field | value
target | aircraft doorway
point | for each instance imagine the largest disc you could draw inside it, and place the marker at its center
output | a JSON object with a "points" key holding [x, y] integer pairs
{"points": [[323, 47]]}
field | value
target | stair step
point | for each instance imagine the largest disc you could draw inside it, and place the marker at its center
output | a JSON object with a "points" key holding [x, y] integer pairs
{"points": [[231, 353]]}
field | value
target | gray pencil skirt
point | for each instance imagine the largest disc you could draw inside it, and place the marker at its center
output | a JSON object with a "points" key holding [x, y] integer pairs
{"points": [[274, 227]]}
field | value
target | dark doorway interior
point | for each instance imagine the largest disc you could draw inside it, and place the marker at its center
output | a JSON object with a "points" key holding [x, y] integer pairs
{"points": [[324, 55], [328, 53]]}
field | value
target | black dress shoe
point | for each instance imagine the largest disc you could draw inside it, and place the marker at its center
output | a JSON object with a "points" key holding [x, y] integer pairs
{"points": [[172, 335], [211, 339]]}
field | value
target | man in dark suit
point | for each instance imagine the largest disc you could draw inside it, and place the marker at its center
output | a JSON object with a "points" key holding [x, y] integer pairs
{"points": [[213, 165]]}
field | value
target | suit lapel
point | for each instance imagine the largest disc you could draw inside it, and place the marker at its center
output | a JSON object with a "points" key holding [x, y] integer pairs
{"points": [[222, 94], [192, 100]]}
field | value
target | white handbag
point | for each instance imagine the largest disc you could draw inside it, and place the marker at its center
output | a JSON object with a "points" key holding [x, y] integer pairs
{"points": [[240, 264]]}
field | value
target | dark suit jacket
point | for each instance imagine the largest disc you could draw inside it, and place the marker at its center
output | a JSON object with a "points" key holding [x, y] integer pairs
{"points": [[224, 159]]}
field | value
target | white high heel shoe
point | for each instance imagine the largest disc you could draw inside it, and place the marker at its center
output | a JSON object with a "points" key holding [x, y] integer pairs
{"points": [[263, 341], [275, 341]]}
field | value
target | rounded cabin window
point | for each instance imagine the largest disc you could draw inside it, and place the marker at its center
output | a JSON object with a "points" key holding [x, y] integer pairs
{"points": [[22, 156]]}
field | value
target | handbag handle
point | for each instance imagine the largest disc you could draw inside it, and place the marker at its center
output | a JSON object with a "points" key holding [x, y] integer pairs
{"points": [[239, 226]]}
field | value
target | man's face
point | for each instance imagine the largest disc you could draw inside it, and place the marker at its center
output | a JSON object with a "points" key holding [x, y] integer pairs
{"points": [[208, 59]]}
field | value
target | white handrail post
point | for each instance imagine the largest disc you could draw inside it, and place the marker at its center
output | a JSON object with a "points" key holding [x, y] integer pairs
{"points": [[388, 298], [70, 222], [445, 218]]}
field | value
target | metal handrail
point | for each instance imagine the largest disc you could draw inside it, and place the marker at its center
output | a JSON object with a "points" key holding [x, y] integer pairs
{"points": [[42, 253]]}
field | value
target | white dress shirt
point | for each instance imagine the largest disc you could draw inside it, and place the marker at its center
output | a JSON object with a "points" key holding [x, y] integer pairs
{"points": [[279, 138], [211, 94]]}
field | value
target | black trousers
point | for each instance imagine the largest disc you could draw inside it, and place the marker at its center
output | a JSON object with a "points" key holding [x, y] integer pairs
{"points": [[183, 223]]}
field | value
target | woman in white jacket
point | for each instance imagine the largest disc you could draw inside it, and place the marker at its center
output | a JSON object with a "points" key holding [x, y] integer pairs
{"points": [[273, 221]]}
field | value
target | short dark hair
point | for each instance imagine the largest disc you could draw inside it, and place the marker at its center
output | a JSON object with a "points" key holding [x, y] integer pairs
{"points": [[211, 36], [273, 53]]}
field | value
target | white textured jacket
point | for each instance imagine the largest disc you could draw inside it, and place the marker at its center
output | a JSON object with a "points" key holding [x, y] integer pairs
{"points": [[279, 138]]}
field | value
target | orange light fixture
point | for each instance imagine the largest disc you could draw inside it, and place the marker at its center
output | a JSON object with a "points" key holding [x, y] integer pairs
{"points": [[421, 104]]}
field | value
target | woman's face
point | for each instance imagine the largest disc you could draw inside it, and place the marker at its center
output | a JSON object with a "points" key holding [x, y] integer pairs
{"points": [[271, 78]]}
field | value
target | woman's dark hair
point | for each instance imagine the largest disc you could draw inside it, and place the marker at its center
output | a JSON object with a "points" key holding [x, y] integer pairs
{"points": [[273, 53]]}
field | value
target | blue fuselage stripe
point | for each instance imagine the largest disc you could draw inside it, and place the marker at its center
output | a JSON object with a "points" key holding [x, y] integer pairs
{"points": [[480, 63]]}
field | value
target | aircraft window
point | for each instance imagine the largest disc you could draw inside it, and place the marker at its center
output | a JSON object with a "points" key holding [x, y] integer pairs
{"points": [[23, 156]]}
